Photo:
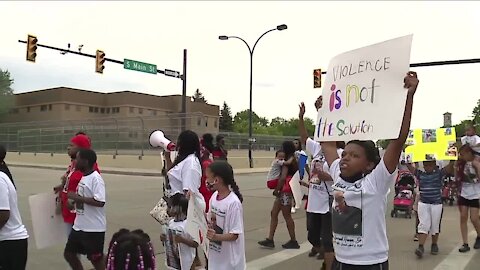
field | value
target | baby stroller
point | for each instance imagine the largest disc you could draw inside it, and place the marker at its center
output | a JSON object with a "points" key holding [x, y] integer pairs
{"points": [[404, 194]]}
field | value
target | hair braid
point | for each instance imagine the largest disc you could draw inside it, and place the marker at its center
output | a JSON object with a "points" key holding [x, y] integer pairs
{"points": [[236, 190]]}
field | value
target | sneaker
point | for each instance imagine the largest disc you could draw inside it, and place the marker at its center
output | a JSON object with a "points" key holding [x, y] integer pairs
{"points": [[293, 210], [434, 249], [415, 238], [464, 248], [419, 252], [313, 252], [267, 243], [292, 244], [477, 243]]}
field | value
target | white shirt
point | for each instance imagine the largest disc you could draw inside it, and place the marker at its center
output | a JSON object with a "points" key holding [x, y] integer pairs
{"points": [[14, 228], [91, 218], [360, 234], [227, 214], [472, 141], [471, 187], [319, 192], [186, 175], [186, 253]]}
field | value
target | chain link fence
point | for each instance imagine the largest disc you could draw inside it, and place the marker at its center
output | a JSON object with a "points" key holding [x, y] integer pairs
{"points": [[119, 136]]}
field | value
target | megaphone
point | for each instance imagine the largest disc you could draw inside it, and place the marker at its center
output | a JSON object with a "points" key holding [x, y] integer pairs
{"points": [[157, 139]]}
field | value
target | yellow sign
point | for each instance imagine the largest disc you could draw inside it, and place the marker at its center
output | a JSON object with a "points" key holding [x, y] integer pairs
{"points": [[431, 144]]}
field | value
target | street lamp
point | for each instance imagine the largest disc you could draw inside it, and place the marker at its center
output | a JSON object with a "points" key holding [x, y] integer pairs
{"points": [[251, 50]]}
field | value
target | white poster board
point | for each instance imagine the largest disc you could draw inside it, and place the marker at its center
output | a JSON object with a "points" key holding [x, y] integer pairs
{"points": [[296, 189], [48, 227], [197, 225], [363, 94]]}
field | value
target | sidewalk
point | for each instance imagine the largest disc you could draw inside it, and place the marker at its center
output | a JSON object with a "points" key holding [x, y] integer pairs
{"points": [[124, 171]]}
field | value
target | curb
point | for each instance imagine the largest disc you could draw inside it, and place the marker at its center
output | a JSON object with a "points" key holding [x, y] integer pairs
{"points": [[124, 172]]}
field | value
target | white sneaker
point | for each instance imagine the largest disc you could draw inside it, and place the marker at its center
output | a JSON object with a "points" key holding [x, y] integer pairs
{"points": [[293, 210]]}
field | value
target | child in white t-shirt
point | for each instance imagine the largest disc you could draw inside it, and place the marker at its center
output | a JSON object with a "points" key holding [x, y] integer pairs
{"points": [[226, 234], [472, 139], [179, 245]]}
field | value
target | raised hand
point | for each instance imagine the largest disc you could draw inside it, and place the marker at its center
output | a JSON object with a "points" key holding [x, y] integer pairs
{"points": [[319, 103], [301, 112], [411, 82]]}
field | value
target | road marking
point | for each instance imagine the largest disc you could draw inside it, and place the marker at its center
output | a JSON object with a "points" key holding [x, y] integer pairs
{"points": [[457, 260], [278, 257]]}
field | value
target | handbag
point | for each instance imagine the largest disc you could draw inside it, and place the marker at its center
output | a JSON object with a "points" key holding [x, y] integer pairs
{"points": [[159, 212], [330, 198]]}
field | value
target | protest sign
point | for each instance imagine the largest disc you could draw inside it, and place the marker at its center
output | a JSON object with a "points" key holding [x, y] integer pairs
{"points": [[48, 227], [363, 94], [431, 144], [296, 189], [197, 225]]}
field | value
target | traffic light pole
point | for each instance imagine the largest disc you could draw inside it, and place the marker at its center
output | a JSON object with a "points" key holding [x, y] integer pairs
{"points": [[442, 63], [183, 76]]}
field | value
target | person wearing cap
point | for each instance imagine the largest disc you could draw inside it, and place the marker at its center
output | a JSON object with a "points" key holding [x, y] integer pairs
{"points": [[71, 179]]}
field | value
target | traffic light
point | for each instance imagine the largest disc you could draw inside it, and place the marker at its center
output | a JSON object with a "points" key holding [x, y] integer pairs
{"points": [[99, 61], [31, 48], [317, 78]]}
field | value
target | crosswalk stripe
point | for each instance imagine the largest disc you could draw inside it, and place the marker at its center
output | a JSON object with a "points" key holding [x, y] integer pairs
{"points": [[278, 257], [455, 259]]}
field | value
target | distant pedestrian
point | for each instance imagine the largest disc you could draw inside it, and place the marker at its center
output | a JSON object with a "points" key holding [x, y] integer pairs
{"points": [[220, 153]]}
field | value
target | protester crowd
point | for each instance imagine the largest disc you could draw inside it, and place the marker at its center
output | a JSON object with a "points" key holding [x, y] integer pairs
{"points": [[347, 182]]}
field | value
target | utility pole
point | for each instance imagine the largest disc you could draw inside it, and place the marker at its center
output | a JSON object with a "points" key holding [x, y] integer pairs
{"points": [[184, 90]]}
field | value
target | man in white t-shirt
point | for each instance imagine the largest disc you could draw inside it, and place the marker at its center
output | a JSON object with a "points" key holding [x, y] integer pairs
{"points": [[88, 232], [472, 139], [13, 235]]}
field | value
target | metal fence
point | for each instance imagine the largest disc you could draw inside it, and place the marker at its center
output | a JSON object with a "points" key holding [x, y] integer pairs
{"points": [[118, 136]]}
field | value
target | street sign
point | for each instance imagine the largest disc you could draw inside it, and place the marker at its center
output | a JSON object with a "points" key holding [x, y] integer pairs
{"points": [[139, 66], [172, 73]]}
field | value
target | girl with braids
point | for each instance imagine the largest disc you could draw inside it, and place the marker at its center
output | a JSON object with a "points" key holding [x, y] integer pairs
{"points": [[130, 250], [361, 183], [177, 237], [226, 235], [185, 172]]}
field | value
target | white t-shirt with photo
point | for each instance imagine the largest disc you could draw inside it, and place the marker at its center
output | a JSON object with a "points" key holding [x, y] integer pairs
{"points": [[14, 228], [187, 254], [91, 218], [187, 175], [360, 233], [318, 193], [471, 185], [472, 141], [227, 214]]}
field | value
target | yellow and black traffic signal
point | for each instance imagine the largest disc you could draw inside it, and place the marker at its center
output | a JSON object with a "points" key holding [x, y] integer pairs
{"points": [[99, 61], [31, 48], [317, 78]]}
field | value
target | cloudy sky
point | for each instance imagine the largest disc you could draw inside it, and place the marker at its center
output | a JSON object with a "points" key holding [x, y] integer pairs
{"points": [[157, 32]]}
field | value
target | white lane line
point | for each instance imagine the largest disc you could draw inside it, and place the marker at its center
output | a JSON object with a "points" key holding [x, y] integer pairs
{"points": [[455, 259], [278, 257]]}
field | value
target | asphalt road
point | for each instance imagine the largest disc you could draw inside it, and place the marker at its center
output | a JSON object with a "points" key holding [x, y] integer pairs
{"points": [[130, 198]]}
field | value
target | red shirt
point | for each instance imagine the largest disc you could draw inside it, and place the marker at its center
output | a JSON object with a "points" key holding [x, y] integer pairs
{"points": [[207, 194], [73, 178]]}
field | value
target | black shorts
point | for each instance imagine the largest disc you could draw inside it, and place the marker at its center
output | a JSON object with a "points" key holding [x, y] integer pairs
{"points": [[469, 203], [343, 266], [86, 243], [13, 254]]}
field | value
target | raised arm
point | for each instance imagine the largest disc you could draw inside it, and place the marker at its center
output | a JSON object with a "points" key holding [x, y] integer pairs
{"points": [[394, 148], [302, 130]]}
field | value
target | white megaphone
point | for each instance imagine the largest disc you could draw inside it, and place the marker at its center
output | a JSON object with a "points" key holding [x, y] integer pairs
{"points": [[157, 139]]}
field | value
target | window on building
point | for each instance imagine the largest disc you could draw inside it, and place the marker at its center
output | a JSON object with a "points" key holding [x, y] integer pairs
{"points": [[131, 109], [206, 121], [90, 109], [154, 113], [102, 110], [79, 108], [28, 109], [67, 107], [199, 121], [14, 111], [96, 110], [116, 110], [140, 110], [215, 123], [108, 110], [50, 107], [43, 108]]}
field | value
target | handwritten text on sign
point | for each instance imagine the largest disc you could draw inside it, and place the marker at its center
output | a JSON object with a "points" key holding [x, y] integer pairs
{"points": [[363, 95]]}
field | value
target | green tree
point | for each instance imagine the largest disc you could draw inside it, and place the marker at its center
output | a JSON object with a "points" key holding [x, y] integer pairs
{"points": [[226, 120], [6, 92], [198, 97], [476, 113], [383, 143]]}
